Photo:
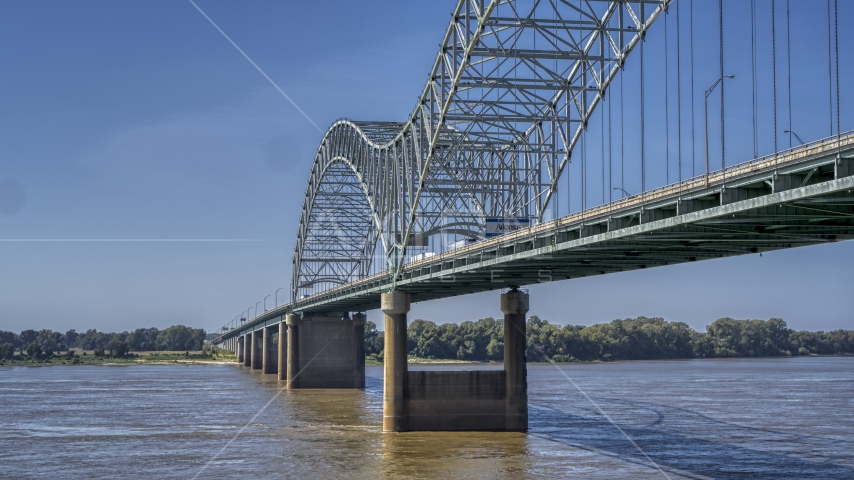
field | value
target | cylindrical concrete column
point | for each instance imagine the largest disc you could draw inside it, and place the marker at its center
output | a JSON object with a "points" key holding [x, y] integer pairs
{"points": [[395, 306], [359, 320], [240, 349], [293, 321], [514, 305], [266, 358], [283, 351], [274, 342], [256, 350], [247, 350]]}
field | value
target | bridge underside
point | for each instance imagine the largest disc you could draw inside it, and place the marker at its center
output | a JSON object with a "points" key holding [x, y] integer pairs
{"points": [[655, 235]]}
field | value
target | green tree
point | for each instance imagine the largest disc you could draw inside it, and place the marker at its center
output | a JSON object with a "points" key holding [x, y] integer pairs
{"points": [[778, 333], [27, 337], [71, 338], [373, 339], [143, 339], [179, 337], [8, 337], [118, 348], [93, 339], [34, 350]]}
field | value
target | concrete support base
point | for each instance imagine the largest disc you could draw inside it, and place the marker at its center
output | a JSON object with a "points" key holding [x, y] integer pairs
{"points": [[282, 351], [267, 363], [326, 351], [443, 401], [293, 322], [240, 349], [395, 306], [256, 350], [514, 305], [311, 352], [247, 350], [359, 321]]}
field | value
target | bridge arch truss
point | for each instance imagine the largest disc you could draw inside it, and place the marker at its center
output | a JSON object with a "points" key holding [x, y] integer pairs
{"points": [[509, 95]]}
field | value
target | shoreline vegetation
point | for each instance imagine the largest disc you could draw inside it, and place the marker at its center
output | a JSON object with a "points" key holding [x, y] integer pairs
{"points": [[143, 345], [75, 357], [638, 338], [477, 342]]}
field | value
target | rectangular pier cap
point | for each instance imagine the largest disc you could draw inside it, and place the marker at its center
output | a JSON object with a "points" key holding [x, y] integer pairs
{"points": [[394, 303], [514, 302]]}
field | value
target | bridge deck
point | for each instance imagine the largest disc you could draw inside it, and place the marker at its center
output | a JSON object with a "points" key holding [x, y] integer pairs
{"points": [[795, 198]]}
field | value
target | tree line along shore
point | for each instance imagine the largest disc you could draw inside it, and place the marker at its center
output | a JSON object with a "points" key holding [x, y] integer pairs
{"points": [[638, 338], [93, 347]]}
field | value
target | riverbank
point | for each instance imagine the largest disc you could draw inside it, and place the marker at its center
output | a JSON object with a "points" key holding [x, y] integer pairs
{"points": [[200, 358], [141, 358], [377, 360]]}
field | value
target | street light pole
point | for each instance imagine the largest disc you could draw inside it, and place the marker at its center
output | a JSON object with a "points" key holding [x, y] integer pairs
{"points": [[706, 116], [795, 134], [256, 308], [625, 193], [277, 296], [265, 302]]}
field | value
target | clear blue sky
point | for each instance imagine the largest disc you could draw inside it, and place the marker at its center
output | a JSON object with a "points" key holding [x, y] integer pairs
{"points": [[138, 120]]}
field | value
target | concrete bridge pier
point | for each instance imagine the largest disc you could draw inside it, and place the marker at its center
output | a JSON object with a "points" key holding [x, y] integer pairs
{"points": [[256, 350], [395, 306], [455, 400], [247, 350], [267, 364], [325, 349], [359, 321], [283, 351], [293, 321], [239, 349], [315, 349], [514, 305]]}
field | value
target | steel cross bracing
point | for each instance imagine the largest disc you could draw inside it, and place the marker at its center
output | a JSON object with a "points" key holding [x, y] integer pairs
{"points": [[510, 92]]}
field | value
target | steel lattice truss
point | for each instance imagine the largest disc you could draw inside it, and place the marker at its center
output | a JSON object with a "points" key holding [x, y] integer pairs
{"points": [[510, 94]]}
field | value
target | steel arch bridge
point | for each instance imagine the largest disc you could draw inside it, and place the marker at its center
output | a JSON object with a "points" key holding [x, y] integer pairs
{"points": [[508, 98]]}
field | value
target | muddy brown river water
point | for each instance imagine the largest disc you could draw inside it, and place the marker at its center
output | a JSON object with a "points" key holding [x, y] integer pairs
{"points": [[744, 418]]}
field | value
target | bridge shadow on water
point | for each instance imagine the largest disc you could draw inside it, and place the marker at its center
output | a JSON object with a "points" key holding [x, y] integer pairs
{"points": [[686, 443]]}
